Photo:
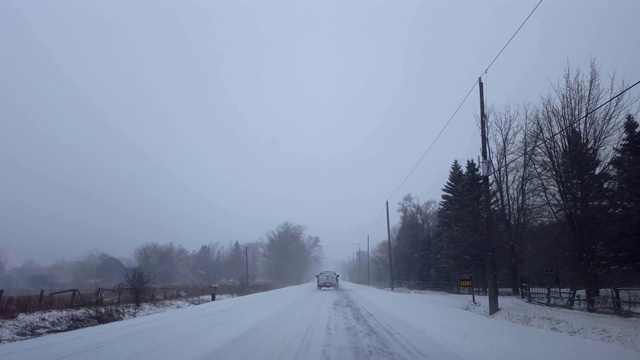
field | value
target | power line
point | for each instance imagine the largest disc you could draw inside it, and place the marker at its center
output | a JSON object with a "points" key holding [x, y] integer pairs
{"points": [[526, 153], [512, 36], [377, 221], [463, 101], [456, 111], [341, 244], [434, 141]]}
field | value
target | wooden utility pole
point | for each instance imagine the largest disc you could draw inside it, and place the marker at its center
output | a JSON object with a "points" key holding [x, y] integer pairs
{"points": [[492, 273], [389, 241], [359, 266], [354, 268], [246, 265], [368, 272]]}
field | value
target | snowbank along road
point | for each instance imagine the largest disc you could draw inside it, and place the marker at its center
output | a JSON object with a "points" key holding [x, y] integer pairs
{"points": [[301, 322]]}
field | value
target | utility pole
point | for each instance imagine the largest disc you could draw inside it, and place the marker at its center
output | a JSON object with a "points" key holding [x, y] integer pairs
{"points": [[354, 269], [492, 273], [246, 265], [359, 267], [389, 241], [368, 272]]}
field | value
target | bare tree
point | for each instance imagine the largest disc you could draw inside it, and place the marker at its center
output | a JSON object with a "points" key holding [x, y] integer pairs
{"points": [[256, 260], [289, 253], [138, 281], [380, 264], [511, 156], [84, 270], [412, 250], [167, 263], [577, 145], [4, 259]]}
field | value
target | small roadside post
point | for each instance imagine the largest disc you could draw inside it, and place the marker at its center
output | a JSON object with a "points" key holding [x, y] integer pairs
{"points": [[213, 291], [466, 282]]}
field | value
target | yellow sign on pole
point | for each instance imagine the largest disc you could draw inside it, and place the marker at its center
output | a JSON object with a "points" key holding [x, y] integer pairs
{"points": [[467, 282]]}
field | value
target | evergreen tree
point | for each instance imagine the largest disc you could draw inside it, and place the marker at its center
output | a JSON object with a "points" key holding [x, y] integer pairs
{"points": [[626, 165], [202, 266], [459, 246], [472, 220], [235, 263], [450, 245]]}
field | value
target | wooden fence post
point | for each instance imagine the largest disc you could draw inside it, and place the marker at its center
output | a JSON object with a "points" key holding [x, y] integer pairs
{"points": [[119, 296], [41, 298], [153, 294], [572, 297], [548, 295], [1, 293], [617, 305], [98, 293], [73, 296]]}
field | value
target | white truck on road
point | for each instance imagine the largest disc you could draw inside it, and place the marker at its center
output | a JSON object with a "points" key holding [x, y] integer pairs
{"points": [[327, 279]]}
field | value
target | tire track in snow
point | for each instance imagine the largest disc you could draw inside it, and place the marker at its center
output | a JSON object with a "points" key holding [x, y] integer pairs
{"points": [[294, 332], [367, 336]]}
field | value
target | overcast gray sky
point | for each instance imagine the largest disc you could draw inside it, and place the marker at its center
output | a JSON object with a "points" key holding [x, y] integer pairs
{"points": [[124, 122]]}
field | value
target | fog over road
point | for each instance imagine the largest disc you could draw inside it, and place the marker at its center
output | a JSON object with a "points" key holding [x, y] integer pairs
{"points": [[301, 322]]}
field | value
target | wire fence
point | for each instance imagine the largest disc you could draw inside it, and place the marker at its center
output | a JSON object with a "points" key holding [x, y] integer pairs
{"points": [[622, 301], [619, 301], [14, 302]]}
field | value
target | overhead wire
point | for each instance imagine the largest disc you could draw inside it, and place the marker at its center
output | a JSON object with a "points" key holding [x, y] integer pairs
{"points": [[565, 128], [464, 100], [457, 109], [377, 220], [434, 141], [341, 244], [512, 36]]}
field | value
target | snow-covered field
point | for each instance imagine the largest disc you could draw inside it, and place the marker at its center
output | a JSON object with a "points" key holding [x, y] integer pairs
{"points": [[355, 322]]}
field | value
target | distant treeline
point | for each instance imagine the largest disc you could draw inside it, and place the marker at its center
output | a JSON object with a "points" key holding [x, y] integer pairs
{"points": [[283, 256]]}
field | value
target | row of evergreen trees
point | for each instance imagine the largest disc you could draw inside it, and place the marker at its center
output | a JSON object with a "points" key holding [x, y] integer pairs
{"points": [[565, 195]]}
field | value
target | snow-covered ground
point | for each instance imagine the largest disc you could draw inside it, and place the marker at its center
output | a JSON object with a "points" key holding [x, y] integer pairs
{"points": [[611, 329], [355, 322], [27, 326]]}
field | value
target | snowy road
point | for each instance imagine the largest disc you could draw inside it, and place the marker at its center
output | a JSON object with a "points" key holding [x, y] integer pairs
{"points": [[302, 322]]}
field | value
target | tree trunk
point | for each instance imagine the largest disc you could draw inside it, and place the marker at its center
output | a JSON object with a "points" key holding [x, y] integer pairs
{"points": [[515, 286]]}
